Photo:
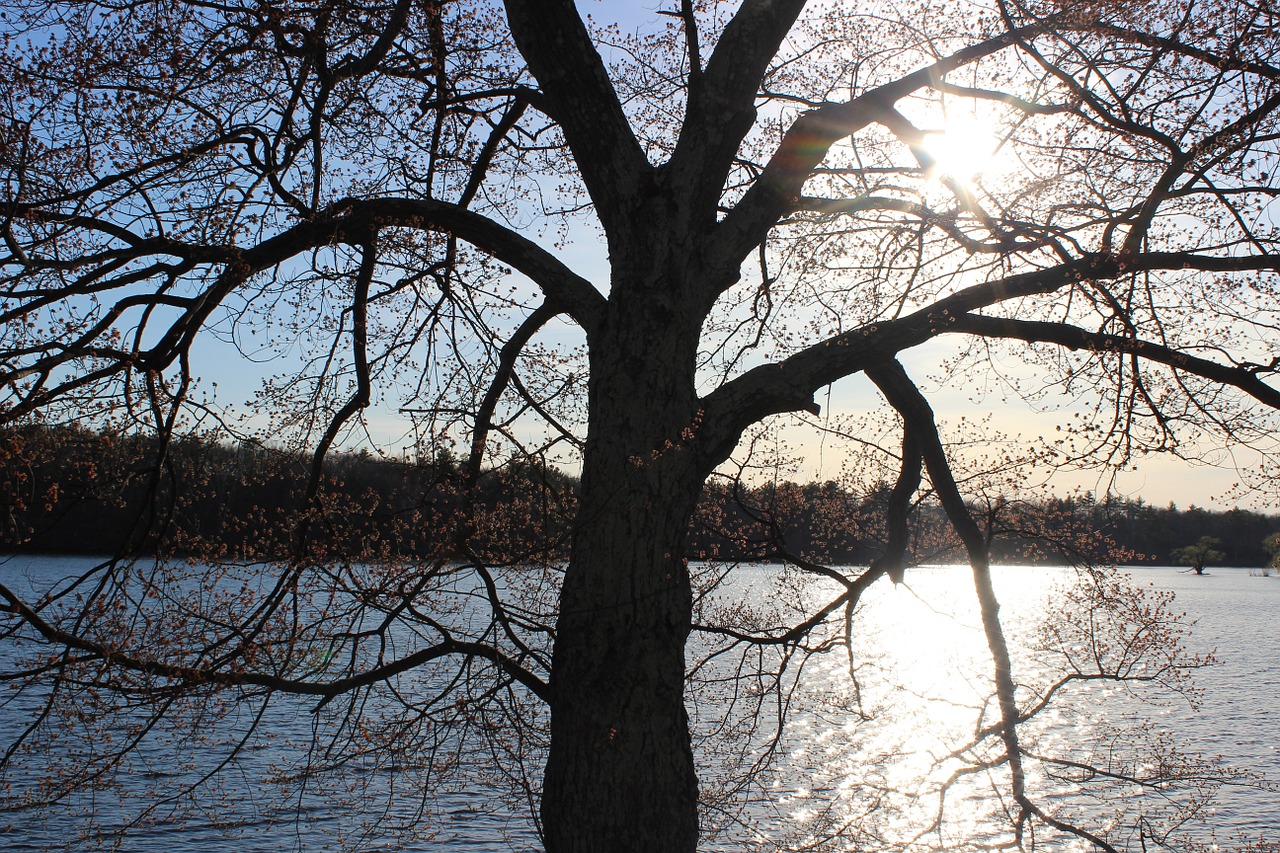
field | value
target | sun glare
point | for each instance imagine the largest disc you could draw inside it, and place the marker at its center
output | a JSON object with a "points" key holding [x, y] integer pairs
{"points": [[964, 151]]}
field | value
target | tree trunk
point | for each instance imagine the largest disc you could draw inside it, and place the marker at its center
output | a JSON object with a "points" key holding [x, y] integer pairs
{"points": [[620, 774]]}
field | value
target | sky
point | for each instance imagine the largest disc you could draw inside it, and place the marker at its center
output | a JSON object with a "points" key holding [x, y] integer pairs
{"points": [[1157, 479]]}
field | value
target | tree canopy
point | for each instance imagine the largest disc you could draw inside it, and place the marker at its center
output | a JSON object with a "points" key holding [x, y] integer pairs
{"points": [[1201, 553], [381, 207]]}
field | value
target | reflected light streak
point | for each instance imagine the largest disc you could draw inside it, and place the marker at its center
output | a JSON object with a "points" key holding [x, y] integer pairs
{"points": [[925, 673]]}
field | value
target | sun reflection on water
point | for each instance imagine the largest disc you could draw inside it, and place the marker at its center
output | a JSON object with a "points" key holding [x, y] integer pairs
{"points": [[909, 772]]}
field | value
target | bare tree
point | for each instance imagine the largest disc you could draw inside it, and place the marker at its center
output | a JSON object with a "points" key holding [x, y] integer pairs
{"points": [[369, 199]]}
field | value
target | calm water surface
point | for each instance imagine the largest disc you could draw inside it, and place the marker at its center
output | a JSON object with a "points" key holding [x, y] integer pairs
{"points": [[921, 671]]}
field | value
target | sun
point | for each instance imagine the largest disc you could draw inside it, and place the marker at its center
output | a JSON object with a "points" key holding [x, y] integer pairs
{"points": [[964, 151]]}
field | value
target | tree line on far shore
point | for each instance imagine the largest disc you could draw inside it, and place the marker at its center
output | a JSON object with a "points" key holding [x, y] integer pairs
{"points": [[68, 489]]}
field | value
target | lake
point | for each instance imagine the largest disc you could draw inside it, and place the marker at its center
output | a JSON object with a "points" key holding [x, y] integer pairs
{"points": [[875, 756]]}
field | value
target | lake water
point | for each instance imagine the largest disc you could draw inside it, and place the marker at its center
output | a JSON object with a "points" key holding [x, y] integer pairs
{"points": [[924, 672], [874, 757]]}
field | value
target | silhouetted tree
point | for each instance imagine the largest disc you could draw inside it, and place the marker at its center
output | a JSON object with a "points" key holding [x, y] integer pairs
{"points": [[370, 197]]}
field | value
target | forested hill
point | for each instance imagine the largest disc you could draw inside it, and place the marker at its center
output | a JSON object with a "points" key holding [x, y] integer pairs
{"points": [[1158, 532], [69, 490]]}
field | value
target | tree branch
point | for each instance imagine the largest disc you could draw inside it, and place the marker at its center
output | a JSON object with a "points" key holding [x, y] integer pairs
{"points": [[501, 379], [348, 221], [720, 110], [811, 136], [327, 690], [580, 97], [789, 385], [1076, 338], [917, 417]]}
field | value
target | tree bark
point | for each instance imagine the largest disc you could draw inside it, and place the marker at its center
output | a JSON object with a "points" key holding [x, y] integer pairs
{"points": [[620, 774]]}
